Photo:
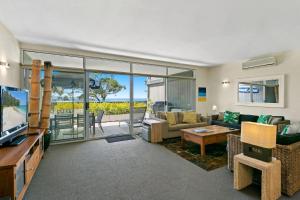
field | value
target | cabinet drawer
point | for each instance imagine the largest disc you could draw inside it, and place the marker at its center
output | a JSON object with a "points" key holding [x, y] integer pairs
{"points": [[31, 165]]}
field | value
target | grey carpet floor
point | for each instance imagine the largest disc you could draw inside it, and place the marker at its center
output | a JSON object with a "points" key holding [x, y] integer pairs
{"points": [[128, 170]]}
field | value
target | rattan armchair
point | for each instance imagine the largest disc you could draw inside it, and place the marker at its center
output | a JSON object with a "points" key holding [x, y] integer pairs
{"points": [[289, 155]]}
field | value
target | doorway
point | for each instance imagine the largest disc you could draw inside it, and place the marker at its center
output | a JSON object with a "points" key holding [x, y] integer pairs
{"points": [[108, 104]]}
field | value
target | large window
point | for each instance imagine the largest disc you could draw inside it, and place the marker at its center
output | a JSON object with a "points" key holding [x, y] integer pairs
{"points": [[67, 104], [107, 65], [56, 60], [181, 94], [109, 101], [180, 72], [118, 94], [149, 70]]}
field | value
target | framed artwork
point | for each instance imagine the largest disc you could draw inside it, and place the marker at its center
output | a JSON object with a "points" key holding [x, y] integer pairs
{"points": [[202, 94]]}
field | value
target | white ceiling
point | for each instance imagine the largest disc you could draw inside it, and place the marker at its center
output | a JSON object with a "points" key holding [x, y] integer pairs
{"points": [[199, 32]]}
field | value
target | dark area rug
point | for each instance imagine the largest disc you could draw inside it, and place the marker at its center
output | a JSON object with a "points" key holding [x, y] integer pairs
{"points": [[216, 154], [119, 138]]}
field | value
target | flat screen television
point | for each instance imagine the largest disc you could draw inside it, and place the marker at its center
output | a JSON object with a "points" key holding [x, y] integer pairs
{"points": [[13, 112]]}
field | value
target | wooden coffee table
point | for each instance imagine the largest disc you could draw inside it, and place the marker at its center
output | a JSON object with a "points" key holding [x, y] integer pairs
{"points": [[217, 134]]}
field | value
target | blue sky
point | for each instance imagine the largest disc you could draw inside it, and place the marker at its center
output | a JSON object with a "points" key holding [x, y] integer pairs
{"points": [[139, 90], [21, 95]]}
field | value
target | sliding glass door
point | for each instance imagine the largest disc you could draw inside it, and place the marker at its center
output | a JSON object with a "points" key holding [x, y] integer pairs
{"points": [[67, 119], [181, 94], [140, 102], [96, 97], [108, 104]]}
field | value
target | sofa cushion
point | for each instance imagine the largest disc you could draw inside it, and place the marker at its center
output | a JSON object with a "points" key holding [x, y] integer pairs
{"points": [[231, 117], [221, 116], [171, 118], [199, 118], [180, 117], [189, 117], [293, 128], [248, 118], [177, 127], [222, 123], [287, 139], [264, 119]]}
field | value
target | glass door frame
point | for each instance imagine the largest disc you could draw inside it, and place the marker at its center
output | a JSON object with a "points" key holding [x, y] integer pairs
{"points": [[86, 101], [85, 71], [83, 138]]}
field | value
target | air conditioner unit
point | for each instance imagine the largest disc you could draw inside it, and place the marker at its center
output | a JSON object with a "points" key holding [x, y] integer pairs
{"points": [[259, 62]]}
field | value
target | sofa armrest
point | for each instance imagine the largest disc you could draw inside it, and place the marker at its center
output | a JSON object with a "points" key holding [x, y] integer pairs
{"points": [[165, 127], [205, 119]]}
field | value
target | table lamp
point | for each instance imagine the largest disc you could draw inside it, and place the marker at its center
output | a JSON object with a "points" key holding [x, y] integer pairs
{"points": [[258, 140], [214, 109]]}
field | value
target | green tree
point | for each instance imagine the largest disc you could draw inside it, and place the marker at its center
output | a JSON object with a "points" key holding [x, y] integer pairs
{"points": [[66, 98], [58, 90], [107, 86]]}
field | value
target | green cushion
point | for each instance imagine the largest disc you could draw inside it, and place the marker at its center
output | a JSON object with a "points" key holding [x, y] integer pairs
{"points": [[264, 119], [285, 130], [231, 117]]}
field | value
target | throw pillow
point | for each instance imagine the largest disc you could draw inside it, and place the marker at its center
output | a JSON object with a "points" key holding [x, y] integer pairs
{"points": [[284, 130], [231, 117], [221, 116], [171, 118], [189, 117], [199, 117], [179, 117], [264, 119], [291, 129]]}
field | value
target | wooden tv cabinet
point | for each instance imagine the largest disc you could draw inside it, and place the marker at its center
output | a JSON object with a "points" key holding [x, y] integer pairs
{"points": [[18, 165]]}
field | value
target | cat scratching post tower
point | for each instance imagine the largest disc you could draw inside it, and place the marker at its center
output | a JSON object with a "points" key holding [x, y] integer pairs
{"points": [[46, 103], [34, 97]]}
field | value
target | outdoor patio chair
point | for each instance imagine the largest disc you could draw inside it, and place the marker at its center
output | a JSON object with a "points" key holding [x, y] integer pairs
{"points": [[138, 117], [63, 121], [99, 119], [81, 122]]}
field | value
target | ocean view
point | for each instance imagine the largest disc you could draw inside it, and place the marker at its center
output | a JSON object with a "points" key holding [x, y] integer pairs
{"points": [[22, 108]]}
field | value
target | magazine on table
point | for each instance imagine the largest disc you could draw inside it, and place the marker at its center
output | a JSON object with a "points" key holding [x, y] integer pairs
{"points": [[202, 130]]}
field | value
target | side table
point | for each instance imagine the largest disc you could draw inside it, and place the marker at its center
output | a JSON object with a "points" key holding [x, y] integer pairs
{"points": [[271, 175]]}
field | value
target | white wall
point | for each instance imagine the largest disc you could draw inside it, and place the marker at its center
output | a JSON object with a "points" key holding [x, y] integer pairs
{"points": [[9, 52], [224, 98]]}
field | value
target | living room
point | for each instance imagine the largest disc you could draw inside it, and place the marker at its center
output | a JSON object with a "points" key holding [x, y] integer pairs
{"points": [[141, 109]]}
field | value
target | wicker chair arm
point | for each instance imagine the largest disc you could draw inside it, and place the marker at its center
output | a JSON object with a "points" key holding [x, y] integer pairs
{"points": [[290, 147]]}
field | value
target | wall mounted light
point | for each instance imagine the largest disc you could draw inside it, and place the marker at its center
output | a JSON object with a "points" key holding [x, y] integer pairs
{"points": [[4, 64], [225, 83]]}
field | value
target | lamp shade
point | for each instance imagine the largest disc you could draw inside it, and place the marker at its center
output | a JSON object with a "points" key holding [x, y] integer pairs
{"points": [[214, 108], [262, 135]]}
